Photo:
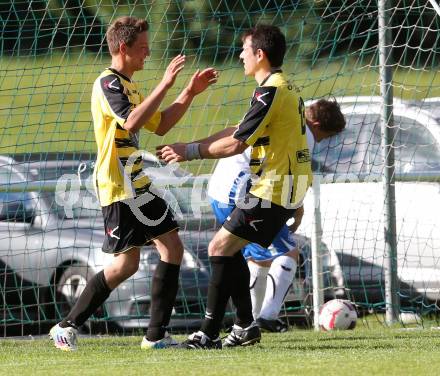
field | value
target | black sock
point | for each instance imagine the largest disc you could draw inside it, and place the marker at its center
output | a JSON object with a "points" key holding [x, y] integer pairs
{"points": [[219, 292], [163, 295], [241, 296], [95, 293]]}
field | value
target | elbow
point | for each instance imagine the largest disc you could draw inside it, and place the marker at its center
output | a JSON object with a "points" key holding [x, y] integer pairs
{"points": [[161, 131], [164, 126], [129, 126], [239, 147]]}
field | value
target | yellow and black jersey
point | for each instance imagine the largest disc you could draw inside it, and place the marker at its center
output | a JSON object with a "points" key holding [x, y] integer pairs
{"points": [[118, 166], [275, 128]]}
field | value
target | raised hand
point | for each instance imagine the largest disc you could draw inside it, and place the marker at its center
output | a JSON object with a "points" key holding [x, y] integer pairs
{"points": [[201, 80], [172, 153], [173, 69]]}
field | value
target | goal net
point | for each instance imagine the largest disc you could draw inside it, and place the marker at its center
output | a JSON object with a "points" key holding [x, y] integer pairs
{"points": [[52, 50]]}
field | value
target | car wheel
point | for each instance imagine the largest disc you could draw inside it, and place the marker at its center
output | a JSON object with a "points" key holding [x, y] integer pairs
{"points": [[67, 291], [72, 283]]}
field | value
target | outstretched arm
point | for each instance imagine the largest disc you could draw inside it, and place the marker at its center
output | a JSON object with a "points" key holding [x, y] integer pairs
{"points": [[222, 148], [219, 147], [250, 129], [199, 82], [142, 113], [216, 136]]}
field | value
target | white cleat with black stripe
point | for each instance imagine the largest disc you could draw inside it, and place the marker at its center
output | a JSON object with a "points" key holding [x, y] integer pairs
{"points": [[64, 338], [243, 336], [200, 341]]}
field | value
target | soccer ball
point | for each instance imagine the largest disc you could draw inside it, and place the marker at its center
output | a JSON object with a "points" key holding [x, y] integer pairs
{"points": [[337, 314]]}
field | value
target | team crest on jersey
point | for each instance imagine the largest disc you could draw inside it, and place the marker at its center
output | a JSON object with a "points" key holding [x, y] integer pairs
{"points": [[303, 156]]}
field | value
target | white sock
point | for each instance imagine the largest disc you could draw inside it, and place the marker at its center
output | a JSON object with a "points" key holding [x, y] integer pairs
{"points": [[281, 274], [257, 286]]}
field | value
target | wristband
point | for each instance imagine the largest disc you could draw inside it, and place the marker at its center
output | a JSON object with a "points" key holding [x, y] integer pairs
{"points": [[192, 151]]}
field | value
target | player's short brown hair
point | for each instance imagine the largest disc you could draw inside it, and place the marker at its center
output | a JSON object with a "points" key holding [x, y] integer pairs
{"points": [[124, 30], [270, 40], [329, 115]]}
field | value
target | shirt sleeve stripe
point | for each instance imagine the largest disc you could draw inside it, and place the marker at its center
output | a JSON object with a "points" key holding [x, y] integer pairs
{"points": [[256, 118], [114, 94]]}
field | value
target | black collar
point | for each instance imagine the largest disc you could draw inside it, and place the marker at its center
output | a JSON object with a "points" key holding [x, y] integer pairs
{"points": [[120, 74]]}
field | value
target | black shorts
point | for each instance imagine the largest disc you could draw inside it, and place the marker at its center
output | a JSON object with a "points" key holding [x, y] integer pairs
{"points": [[259, 224], [127, 226]]}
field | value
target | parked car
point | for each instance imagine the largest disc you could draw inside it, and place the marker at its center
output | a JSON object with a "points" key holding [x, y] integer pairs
{"points": [[352, 204], [51, 234], [50, 245]]}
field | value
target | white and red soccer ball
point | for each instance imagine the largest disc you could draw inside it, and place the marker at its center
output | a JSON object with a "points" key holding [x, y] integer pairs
{"points": [[337, 314]]}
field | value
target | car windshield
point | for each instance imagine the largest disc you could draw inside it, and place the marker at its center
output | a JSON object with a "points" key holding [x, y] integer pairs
{"points": [[345, 152], [357, 150], [67, 190], [67, 201]]}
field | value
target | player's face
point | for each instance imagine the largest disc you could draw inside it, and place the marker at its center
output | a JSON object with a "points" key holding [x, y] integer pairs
{"points": [[248, 57], [138, 52]]}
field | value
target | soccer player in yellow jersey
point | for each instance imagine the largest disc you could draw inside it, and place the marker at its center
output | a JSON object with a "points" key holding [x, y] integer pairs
{"points": [[133, 216], [275, 129], [272, 267]]}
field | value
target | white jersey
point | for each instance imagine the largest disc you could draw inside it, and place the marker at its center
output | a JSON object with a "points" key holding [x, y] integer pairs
{"points": [[231, 178], [229, 182]]}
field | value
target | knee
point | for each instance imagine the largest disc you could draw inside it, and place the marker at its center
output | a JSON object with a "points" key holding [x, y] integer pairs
{"points": [[178, 248], [172, 251], [116, 274], [124, 271], [131, 269], [215, 248], [175, 255]]}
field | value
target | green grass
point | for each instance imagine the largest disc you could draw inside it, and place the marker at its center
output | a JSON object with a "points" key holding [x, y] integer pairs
{"points": [[378, 351]]}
